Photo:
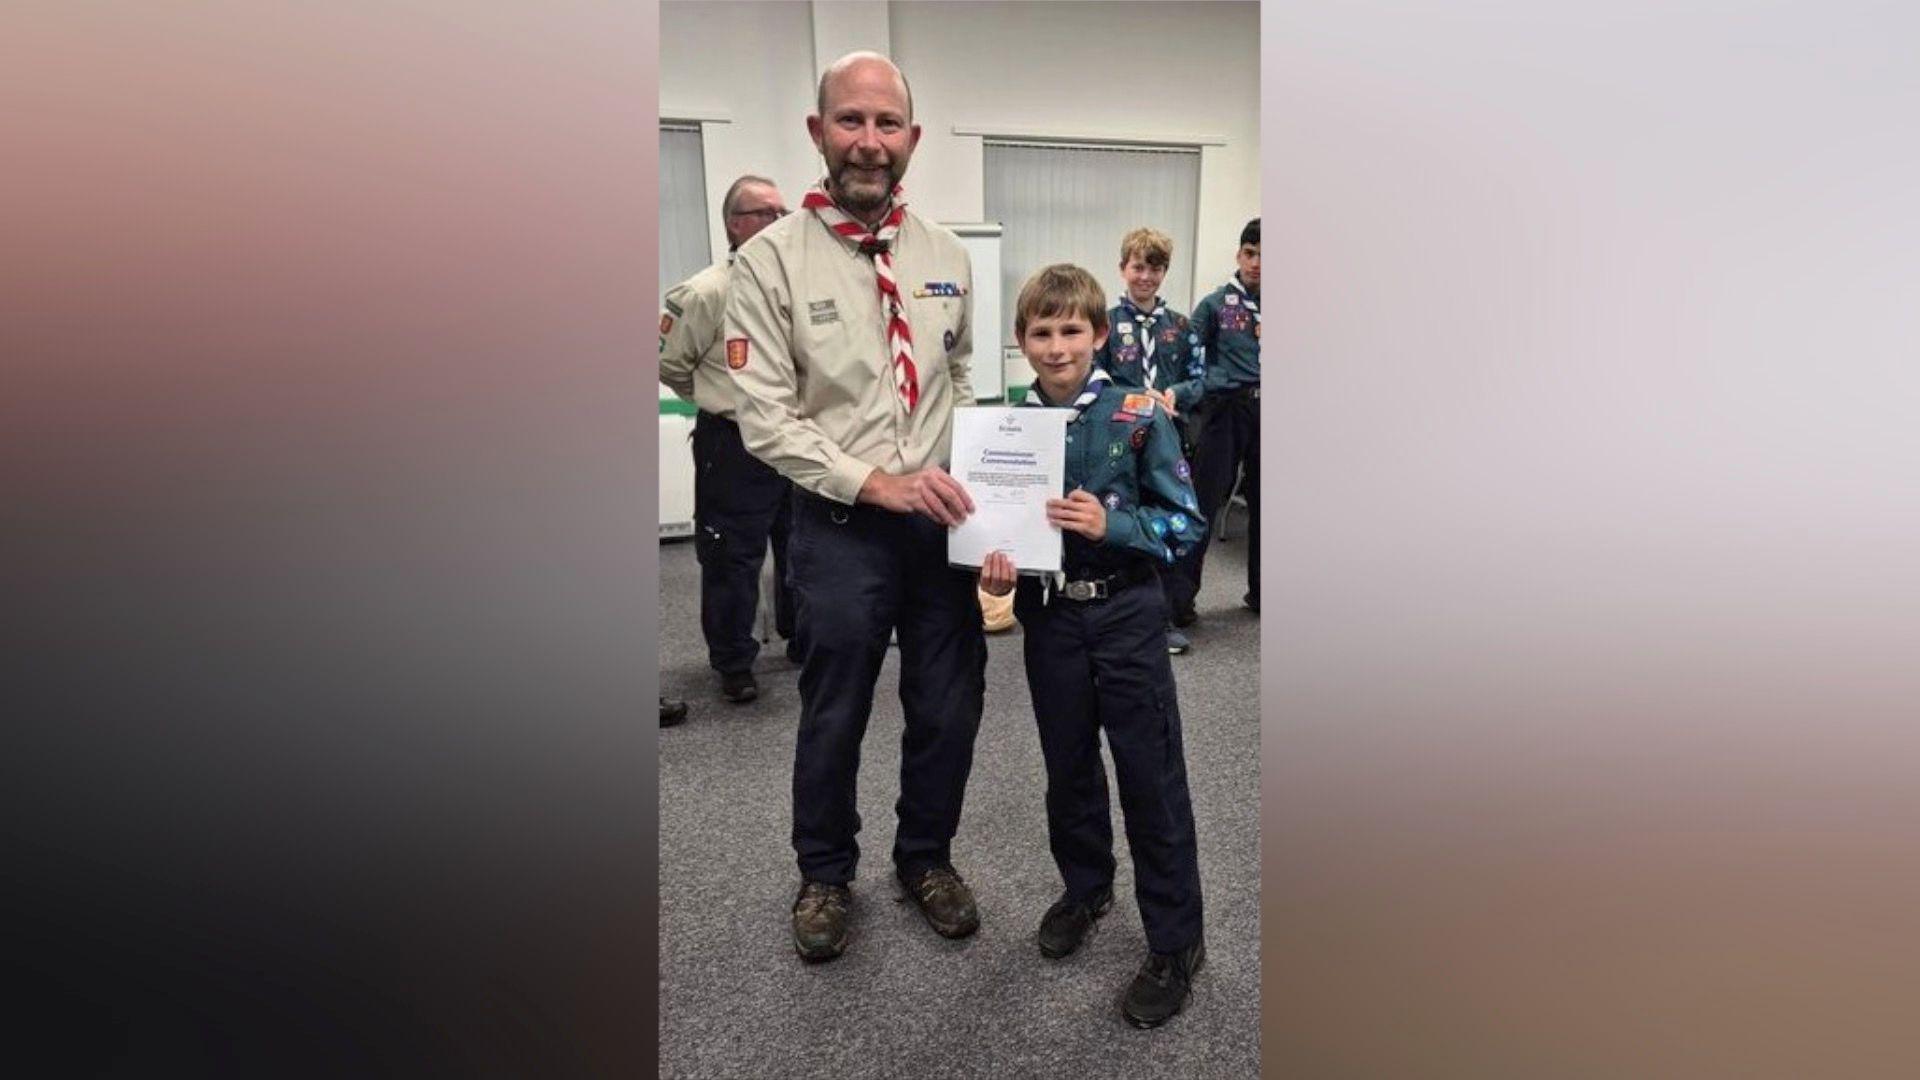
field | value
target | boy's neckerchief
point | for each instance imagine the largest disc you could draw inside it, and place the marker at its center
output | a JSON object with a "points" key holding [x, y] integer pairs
{"points": [[1096, 382], [1145, 322], [1247, 299], [878, 246]]}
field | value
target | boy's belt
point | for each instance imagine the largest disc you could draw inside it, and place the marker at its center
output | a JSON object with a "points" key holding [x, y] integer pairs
{"points": [[1100, 588]]}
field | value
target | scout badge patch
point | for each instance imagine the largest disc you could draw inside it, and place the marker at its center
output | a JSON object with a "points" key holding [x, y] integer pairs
{"points": [[666, 322], [1140, 405], [737, 353], [1139, 437]]}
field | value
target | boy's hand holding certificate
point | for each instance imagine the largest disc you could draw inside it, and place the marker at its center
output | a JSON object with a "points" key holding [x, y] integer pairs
{"points": [[1011, 460]]}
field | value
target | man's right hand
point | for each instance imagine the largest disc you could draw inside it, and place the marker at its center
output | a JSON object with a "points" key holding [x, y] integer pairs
{"points": [[929, 492]]}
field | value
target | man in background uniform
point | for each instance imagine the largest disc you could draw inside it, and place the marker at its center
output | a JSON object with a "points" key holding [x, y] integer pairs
{"points": [[738, 502], [1228, 324], [848, 336]]}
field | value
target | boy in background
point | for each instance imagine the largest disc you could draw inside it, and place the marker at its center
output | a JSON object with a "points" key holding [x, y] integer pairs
{"points": [[1227, 322], [1152, 346], [1095, 646]]}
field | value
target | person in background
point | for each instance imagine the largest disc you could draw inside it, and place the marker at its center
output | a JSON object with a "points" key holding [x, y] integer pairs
{"points": [[1095, 652], [1228, 442], [672, 712], [848, 335], [739, 504], [1152, 346]]}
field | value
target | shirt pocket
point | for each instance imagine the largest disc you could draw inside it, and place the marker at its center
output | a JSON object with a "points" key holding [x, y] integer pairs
{"points": [[935, 321]]}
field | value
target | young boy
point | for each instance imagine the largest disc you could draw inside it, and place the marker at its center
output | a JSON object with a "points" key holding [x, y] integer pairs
{"points": [[1152, 346], [1228, 324], [1095, 646]]}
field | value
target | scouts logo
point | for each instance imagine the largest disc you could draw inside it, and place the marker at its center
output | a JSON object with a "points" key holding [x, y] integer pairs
{"points": [[1112, 500], [666, 322], [1139, 437], [737, 353]]}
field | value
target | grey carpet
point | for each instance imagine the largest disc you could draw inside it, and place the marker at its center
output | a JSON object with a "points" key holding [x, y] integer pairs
{"points": [[738, 1004]]}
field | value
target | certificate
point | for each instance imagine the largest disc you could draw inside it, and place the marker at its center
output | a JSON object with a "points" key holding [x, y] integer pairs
{"points": [[1011, 461]]}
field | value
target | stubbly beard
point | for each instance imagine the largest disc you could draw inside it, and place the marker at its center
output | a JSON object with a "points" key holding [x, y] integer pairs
{"points": [[867, 197]]}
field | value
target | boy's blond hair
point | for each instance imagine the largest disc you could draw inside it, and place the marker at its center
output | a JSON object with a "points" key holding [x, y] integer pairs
{"points": [[1154, 248], [1062, 290]]}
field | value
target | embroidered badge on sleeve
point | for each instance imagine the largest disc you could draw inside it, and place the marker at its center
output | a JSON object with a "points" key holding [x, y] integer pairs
{"points": [[737, 353]]}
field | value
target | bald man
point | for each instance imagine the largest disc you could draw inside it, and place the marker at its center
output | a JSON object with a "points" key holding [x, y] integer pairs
{"points": [[739, 504], [849, 338]]}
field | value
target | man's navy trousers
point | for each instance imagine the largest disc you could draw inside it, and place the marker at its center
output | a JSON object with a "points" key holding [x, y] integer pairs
{"points": [[859, 574]]}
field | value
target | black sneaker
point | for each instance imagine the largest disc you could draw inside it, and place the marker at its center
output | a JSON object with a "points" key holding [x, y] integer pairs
{"points": [[672, 712], [1068, 922], [1161, 987], [945, 900], [738, 687], [820, 920]]}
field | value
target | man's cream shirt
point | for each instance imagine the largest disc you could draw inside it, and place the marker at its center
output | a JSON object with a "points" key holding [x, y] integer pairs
{"points": [[808, 351], [692, 362]]}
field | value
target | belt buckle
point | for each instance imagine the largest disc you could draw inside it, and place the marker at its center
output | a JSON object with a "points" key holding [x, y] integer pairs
{"points": [[1086, 590]]}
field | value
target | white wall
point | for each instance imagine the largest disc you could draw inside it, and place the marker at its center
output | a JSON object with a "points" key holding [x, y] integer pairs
{"points": [[1160, 71], [751, 63], [1175, 71]]}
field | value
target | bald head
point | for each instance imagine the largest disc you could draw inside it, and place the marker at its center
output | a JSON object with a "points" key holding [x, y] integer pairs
{"points": [[852, 63]]}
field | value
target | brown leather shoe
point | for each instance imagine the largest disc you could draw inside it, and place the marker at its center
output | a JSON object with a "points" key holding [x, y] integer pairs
{"points": [[820, 920], [945, 900]]}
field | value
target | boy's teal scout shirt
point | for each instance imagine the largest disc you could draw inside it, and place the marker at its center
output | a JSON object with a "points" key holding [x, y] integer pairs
{"points": [[1229, 337], [1178, 362], [1122, 448]]}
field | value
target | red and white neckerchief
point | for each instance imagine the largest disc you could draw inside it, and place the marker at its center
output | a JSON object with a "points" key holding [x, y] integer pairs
{"points": [[878, 245]]}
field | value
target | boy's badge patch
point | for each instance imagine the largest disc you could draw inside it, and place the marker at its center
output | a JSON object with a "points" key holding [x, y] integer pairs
{"points": [[1183, 470], [940, 288], [1137, 405], [666, 322], [1179, 523], [1114, 450], [946, 340], [1112, 500], [1138, 438], [1158, 528], [737, 353], [1125, 328], [1232, 298]]}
